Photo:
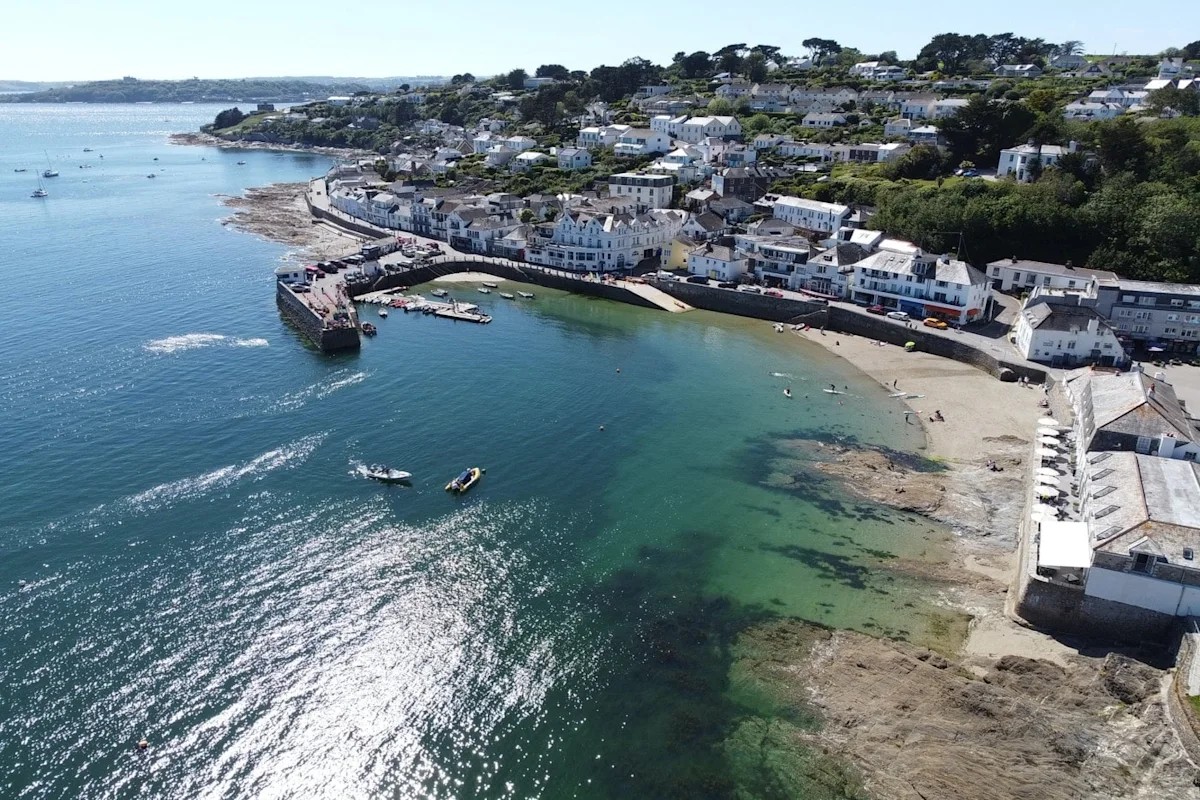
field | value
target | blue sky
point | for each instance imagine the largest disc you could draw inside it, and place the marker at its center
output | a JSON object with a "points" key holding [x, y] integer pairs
{"points": [[61, 40]]}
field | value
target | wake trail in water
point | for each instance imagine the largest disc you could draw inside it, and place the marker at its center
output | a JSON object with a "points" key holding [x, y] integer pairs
{"points": [[319, 391], [196, 341]]}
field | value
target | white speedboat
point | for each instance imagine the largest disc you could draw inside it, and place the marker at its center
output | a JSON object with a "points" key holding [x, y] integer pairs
{"points": [[778, 328], [526, 295], [241, 163], [484, 290], [19, 169], [386, 474], [439, 293], [383, 312], [491, 285], [508, 296], [39, 192]]}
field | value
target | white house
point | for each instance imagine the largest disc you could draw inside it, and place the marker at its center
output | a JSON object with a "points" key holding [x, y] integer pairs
{"points": [[523, 162], [596, 136], [484, 142], [775, 260], [947, 107], [732, 91], [823, 120], [921, 285], [338, 101], [765, 141], [499, 156], [1068, 62], [574, 158], [647, 191], [1013, 274], [537, 83], [897, 127], [642, 141], [808, 98], [665, 123], [818, 150], [918, 106], [1019, 70], [1024, 161], [518, 144], [811, 215], [1065, 334], [583, 241], [697, 129], [870, 152], [1088, 110], [716, 262], [772, 91]]}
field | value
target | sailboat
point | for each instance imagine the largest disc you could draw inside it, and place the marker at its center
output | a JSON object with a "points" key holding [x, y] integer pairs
{"points": [[40, 191], [49, 171]]}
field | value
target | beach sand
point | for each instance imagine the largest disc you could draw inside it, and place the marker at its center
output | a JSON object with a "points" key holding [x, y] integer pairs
{"points": [[467, 277]]}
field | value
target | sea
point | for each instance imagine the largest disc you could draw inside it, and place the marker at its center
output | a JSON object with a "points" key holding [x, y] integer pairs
{"points": [[190, 555]]}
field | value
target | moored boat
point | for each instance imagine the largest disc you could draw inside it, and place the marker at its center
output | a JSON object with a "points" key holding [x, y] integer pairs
{"points": [[368, 329], [465, 481], [484, 290], [383, 312], [439, 293], [491, 285], [386, 474], [508, 296], [526, 295]]}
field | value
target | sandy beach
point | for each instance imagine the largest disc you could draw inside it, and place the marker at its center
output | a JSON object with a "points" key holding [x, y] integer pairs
{"points": [[467, 277]]}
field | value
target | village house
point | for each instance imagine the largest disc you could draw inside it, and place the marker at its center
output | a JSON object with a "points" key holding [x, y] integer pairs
{"points": [[771, 91], [596, 136], [641, 141], [811, 215], [697, 129], [523, 162], [1056, 331], [807, 98], [705, 226], [732, 91], [716, 262], [574, 158], [671, 126], [1019, 71], [1130, 411], [1150, 314], [918, 106], [811, 150], [647, 191], [1026, 162], [765, 141], [731, 209], [870, 152], [1014, 274], [746, 183], [776, 261], [822, 120], [518, 144], [1087, 110], [921, 285], [772, 227], [947, 107], [898, 127]]}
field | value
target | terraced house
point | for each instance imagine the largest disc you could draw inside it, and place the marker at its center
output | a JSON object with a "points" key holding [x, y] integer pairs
{"points": [[583, 241]]}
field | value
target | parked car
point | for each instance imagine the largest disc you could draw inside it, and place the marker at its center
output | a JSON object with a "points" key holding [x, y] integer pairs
{"points": [[751, 289], [727, 285], [934, 322], [698, 279], [900, 315], [773, 293], [301, 288], [880, 310]]}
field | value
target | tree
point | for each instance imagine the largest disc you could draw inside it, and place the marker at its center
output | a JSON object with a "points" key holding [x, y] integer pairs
{"points": [[1191, 51], [719, 106], [819, 49], [516, 79], [1123, 147], [757, 124], [1181, 101], [923, 162], [466, 77], [984, 127], [1042, 100], [888, 58], [729, 57], [556, 71], [696, 65], [527, 216], [1071, 47], [951, 52], [756, 67], [228, 118]]}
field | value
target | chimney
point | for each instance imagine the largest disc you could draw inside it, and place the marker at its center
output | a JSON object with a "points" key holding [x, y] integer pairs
{"points": [[1014, 259], [1070, 264]]}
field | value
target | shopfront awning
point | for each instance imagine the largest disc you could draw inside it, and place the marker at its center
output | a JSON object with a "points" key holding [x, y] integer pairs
{"points": [[953, 312], [1064, 544]]}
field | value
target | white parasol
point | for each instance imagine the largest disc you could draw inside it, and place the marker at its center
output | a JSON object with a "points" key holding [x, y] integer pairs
{"points": [[1046, 491], [1049, 441], [1046, 452], [1048, 480], [1048, 471], [1048, 432], [1048, 421], [1041, 512]]}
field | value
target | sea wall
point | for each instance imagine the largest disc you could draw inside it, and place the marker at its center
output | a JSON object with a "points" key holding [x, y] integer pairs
{"points": [[327, 340], [346, 222], [1180, 708], [506, 270], [839, 319]]}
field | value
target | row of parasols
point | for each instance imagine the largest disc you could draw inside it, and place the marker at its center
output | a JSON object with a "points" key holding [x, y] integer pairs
{"points": [[1050, 481]]}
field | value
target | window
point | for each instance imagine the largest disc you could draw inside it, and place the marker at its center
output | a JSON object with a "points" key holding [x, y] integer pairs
{"points": [[1141, 562], [1126, 298], [1125, 312], [1145, 301], [1177, 302], [1172, 317], [1141, 328], [1016, 277], [1071, 345]]}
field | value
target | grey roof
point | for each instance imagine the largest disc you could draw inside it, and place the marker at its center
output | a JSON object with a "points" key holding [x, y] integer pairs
{"points": [[491, 223], [1150, 504], [773, 224], [719, 252], [1044, 268], [469, 214], [727, 204], [941, 269], [1159, 288], [1136, 404], [842, 255], [710, 221], [1066, 317]]}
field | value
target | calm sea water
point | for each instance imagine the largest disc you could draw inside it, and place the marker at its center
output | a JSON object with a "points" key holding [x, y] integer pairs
{"points": [[204, 568]]}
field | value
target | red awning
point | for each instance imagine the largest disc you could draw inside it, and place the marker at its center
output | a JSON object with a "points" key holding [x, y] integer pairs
{"points": [[954, 312]]}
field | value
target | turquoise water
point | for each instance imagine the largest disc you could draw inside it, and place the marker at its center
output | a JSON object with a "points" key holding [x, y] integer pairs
{"points": [[204, 567]]}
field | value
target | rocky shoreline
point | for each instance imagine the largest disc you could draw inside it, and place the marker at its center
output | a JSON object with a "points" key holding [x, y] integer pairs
{"points": [[208, 140], [277, 212]]}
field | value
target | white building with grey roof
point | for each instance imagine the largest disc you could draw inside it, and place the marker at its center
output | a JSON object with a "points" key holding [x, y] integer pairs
{"points": [[921, 285], [1060, 333]]}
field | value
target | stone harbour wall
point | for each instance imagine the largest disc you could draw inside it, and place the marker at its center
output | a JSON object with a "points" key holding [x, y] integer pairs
{"points": [[327, 340]]}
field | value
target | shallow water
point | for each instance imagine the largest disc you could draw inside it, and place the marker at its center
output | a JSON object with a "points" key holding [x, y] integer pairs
{"points": [[205, 568]]}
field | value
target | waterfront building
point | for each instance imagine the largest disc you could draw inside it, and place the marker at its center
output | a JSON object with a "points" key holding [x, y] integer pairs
{"points": [[583, 240], [811, 215], [1019, 274], [1062, 333], [1153, 315], [921, 285], [1130, 411], [717, 262]]}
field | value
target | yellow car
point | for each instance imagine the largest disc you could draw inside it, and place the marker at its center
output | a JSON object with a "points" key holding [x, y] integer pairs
{"points": [[934, 322]]}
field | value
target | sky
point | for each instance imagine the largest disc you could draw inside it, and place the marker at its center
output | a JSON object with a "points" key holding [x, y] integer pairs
{"points": [[372, 38]]}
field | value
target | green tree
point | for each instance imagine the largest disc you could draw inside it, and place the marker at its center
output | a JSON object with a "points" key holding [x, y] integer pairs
{"points": [[228, 118], [729, 58], [984, 127], [556, 71], [1042, 100], [696, 65], [756, 67], [757, 124], [516, 79], [1123, 147], [1182, 101], [720, 106], [820, 49]]}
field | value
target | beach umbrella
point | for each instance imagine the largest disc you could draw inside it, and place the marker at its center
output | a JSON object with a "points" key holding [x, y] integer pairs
{"points": [[1048, 471], [1046, 452], [1048, 480], [1046, 491], [1041, 512], [1044, 431], [1047, 421], [1049, 441]]}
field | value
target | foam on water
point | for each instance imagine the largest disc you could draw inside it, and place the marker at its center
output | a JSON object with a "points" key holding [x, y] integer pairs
{"points": [[195, 341], [341, 379]]}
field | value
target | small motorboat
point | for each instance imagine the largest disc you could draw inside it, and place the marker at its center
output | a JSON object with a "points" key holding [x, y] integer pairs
{"points": [[787, 393], [778, 328], [491, 285], [156, 158], [439, 293], [151, 175], [39, 192], [484, 290], [526, 295], [383, 312], [508, 296], [832, 391], [368, 329], [465, 481], [20, 169], [386, 474], [241, 163], [87, 149]]}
